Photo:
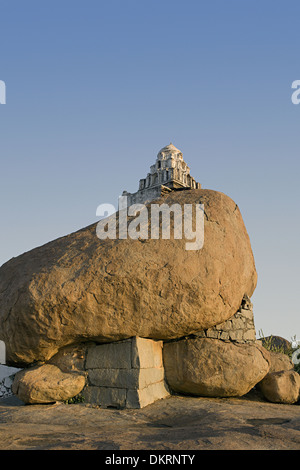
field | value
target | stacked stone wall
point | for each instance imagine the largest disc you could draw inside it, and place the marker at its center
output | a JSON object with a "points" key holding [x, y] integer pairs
{"points": [[125, 374], [239, 328]]}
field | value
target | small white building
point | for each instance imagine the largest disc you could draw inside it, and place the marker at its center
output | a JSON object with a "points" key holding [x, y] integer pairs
{"points": [[169, 172]]}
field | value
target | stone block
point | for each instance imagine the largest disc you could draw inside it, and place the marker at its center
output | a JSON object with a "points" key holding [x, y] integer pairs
{"points": [[236, 335], [105, 396], [125, 374], [114, 378], [124, 378], [250, 335], [146, 353], [225, 326], [146, 396], [125, 398], [151, 376], [247, 314], [109, 356], [224, 335], [212, 333], [238, 323]]}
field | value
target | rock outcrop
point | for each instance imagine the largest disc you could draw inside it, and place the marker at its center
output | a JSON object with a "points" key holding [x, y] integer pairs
{"points": [[80, 288], [276, 343], [214, 368]]}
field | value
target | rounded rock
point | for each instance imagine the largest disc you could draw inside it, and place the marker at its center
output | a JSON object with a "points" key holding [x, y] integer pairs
{"points": [[214, 368], [46, 384]]}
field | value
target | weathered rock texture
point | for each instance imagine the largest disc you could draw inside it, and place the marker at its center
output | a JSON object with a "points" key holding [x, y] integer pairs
{"points": [[279, 362], [46, 384], [71, 358], [214, 368], [281, 387], [79, 288], [239, 328], [177, 425]]}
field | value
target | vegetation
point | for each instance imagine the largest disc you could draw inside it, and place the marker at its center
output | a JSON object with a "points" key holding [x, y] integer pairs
{"points": [[268, 343], [297, 366], [77, 399]]}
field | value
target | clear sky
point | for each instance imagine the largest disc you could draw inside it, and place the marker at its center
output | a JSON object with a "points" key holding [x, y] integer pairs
{"points": [[96, 88]]}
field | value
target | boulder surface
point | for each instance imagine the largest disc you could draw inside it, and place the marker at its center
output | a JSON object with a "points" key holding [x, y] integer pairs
{"points": [[46, 384], [79, 288], [279, 362], [214, 368], [281, 387]]}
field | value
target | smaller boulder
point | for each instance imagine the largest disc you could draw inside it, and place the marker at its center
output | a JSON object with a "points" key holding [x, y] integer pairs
{"points": [[214, 368], [280, 361], [70, 358], [281, 387], [46, 384]]}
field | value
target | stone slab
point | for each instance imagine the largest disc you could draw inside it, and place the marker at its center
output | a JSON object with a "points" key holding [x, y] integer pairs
{"points": [[125, 398], [125, 374], [146, 396], [125, 378], [146, 353], [247, 313], [109, 356], [105, 396]]}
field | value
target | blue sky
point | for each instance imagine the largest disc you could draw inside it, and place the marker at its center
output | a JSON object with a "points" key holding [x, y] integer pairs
{"points": [[96, 88]]}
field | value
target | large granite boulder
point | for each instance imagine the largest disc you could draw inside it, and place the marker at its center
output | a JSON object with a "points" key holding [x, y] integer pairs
{"points": [[80, 288], [214, 368]]}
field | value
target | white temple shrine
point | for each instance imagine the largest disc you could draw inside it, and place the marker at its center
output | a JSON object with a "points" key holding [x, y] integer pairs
{"points": [[169, 172]]}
